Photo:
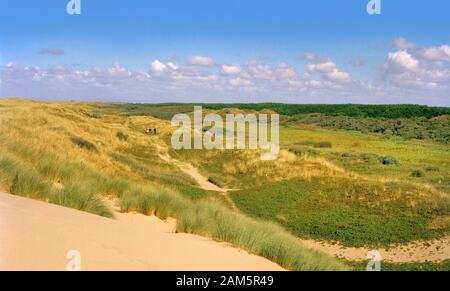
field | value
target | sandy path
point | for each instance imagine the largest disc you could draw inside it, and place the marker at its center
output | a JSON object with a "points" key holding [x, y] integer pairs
{"points": [[202, 181], [35, 235]]}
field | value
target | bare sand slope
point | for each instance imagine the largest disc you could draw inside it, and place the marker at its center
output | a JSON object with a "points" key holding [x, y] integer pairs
{"points": [[36, 235]]}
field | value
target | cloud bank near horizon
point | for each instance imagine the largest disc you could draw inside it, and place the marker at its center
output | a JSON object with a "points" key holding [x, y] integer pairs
{"points": [[408, 74]]}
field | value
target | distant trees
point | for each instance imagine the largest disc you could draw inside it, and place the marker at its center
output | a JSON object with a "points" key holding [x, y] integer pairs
{"points": [[351, 110]]}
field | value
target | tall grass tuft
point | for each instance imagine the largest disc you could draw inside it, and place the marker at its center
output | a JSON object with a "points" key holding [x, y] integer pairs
{"points": [[78, 198]]}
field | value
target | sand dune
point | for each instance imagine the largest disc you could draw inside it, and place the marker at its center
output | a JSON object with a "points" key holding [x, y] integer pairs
{"points": [[36, 235]]}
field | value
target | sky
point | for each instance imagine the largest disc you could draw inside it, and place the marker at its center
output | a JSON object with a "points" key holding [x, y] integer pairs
{"points": [[292, 51]]}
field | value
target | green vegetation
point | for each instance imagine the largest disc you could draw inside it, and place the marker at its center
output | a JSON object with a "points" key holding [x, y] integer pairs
{"points": [[338, 209], [351, 110], [359, 192], [44, 164], [322, 144], [122, 136], [84, 144], [333, 181], [426, 127], [25, 181], [388, 160], [417, 174]]}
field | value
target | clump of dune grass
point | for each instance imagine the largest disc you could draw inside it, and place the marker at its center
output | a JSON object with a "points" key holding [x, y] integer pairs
{"points": [[28, 182], [84, 144], [210, 218], [122, 136], [78, 198]]}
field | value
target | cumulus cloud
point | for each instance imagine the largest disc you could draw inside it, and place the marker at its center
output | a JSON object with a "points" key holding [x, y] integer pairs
{"points": [[418, 68], [403, 44], [52, 51], [329, 71], [231, 69], [405, 73], [308, 56], [239, 82], [402, 60], [439, 54], [157, 67], [201, 61]]}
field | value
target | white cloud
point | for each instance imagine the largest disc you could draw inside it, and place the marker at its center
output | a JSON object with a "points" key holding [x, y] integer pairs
{"points": [[172, 66], [338, 76], [417, 69], [326, 67], [201, 61], [404, 73], [258, 71], [208, 78], [308, 56], [329, 71], [158, 67], [285, 71], [239, 82], [402, 60], [439, 54], [231, 69], [403, 44]]}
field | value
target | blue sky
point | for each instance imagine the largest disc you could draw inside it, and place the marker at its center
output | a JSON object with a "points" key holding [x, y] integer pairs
{"points": [[295, 51]]}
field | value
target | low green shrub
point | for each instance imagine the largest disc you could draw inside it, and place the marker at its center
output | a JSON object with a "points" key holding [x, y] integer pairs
{"points": [[122, 136], [417, 174], [388, 160], [322, 144], [432, 169]]}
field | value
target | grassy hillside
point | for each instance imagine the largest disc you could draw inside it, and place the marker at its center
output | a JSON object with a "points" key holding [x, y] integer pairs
{"points": [[78, 155], [360, 189]]}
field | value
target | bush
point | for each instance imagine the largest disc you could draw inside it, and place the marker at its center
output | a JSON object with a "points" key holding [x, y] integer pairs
{"points": [[300, 150], [432, 169], [367, 157], [417, 174], [388, 160], [322, 144], [84, 144], [347, 155], [122, 136]]}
